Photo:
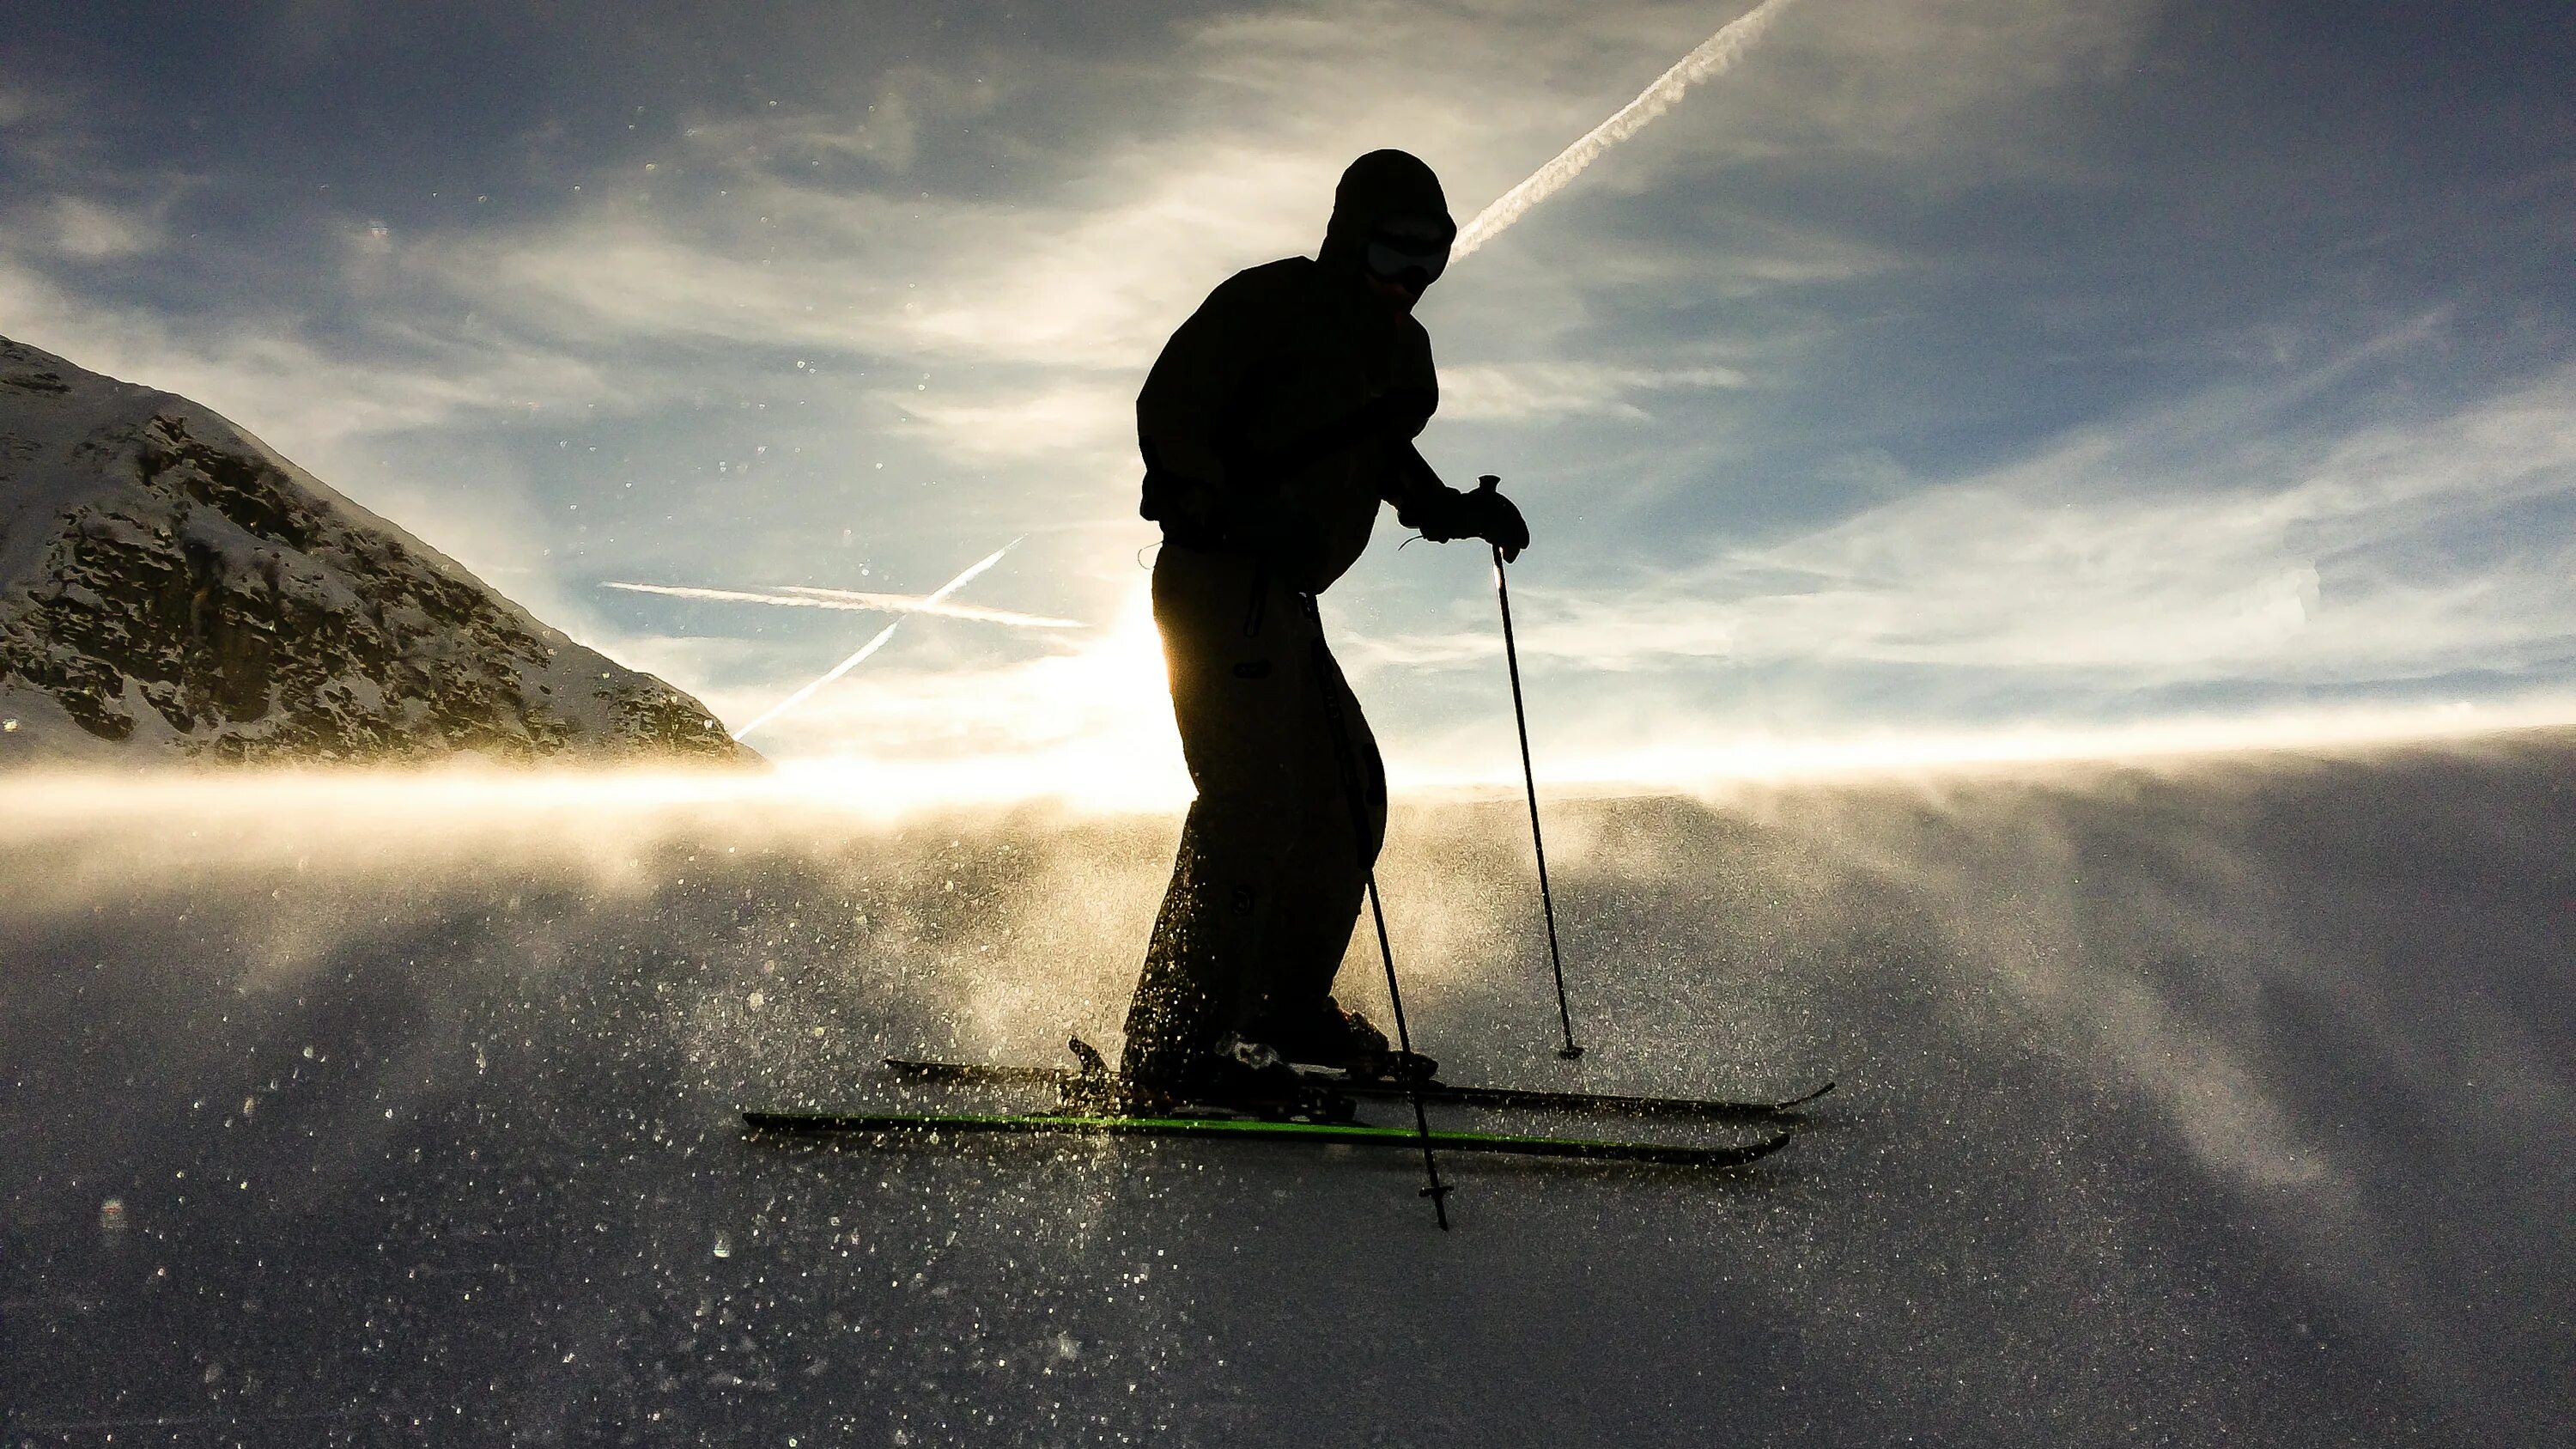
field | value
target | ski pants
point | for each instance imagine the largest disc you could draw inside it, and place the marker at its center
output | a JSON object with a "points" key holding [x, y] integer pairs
{"points": [[1290, 813]]}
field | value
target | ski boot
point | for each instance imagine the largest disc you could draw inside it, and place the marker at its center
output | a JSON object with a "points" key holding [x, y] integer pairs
{"points": [[1334, 1038], [1237, 1078], [1252, 1079]]}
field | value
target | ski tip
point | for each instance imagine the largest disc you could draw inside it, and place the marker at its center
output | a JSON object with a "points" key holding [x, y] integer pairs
{"points": [[1796, 1102], [1723, 1158], [1701, 1159]]}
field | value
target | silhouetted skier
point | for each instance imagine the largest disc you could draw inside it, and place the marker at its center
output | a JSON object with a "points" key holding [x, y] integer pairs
{"points": [[1276, 420]]}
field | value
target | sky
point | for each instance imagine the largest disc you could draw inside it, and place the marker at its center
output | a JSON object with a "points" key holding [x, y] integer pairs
{"points": [[1944, 370]]}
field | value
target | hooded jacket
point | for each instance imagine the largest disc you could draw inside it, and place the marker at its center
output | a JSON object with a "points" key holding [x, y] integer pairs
{"points": [[1283, 411]]}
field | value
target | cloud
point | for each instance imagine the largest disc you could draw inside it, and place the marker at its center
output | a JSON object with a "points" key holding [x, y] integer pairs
{"points": [[1703, 349], [2200, 544], [884, 132], [992, 421], [1538, 391], [1261, 111], [92, 231], [257, 370], [1090, 282], [746, 236]]}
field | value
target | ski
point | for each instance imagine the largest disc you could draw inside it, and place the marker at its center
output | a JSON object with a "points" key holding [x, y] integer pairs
{"points": [[884, 1127], [976, 1074]]}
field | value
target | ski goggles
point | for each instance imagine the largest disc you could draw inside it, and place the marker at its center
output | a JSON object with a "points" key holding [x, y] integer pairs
{"points": [[1409, 253]]}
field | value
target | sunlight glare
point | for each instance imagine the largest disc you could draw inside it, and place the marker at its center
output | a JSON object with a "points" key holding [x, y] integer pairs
{"points": [[1089, 727]]}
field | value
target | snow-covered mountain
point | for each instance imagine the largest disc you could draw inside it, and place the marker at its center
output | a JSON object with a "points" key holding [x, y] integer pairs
{"points": [[169, 586]]}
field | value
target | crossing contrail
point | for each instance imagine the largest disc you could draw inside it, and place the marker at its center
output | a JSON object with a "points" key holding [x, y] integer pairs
{"points": [[1714, 57], [904, 603], [799, 596], [877, 643]]}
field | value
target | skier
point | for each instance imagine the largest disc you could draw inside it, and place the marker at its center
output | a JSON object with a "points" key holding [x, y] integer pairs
{"points": [[1275, 421]]}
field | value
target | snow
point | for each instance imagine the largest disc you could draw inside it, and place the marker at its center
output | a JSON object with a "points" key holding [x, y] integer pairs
{"points": [[47, 737], [72, 464], [2227, 1101]]}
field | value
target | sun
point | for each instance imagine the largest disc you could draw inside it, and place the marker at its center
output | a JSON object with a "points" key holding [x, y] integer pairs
{"points": [[1088, 724]]}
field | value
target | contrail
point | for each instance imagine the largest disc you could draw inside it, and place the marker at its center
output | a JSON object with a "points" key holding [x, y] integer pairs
{"points": [[875, 644], [798, 596], [905, 603], [1715, 56]]}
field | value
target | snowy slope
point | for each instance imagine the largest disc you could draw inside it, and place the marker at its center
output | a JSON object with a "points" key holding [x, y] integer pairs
{"points": [[171, 587], [2226, 1104]]}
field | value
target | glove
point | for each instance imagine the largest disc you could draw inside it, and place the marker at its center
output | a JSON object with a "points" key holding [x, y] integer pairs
{"points": [[1484, 514]]}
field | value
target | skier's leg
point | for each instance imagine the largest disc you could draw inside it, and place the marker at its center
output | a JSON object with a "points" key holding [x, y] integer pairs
{"points": [[1321, 888], [1230, 638], [1183, 1000]]}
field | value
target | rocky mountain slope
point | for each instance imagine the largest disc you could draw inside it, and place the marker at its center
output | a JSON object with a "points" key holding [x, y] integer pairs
{"points": [[170, 587]]}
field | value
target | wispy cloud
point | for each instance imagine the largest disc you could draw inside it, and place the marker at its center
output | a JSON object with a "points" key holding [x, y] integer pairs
{"points": [[261, 372], [1541, 390], [91, 230], [1017, 421], [2205, 543]]}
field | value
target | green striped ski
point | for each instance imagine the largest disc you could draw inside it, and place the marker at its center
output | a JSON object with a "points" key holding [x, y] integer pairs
{"points": [[884, 1127]]}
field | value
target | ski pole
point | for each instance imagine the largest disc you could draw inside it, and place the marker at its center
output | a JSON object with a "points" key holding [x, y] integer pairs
{"points": [[1529, 777], [1334, 724], [1437, 1191]]}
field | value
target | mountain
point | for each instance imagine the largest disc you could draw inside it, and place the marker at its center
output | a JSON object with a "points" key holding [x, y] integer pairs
{"points": [[171, 587]]}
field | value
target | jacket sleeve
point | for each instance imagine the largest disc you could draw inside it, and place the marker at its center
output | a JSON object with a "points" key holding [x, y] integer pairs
{"points": [[1410, 482], [1422, 502]]}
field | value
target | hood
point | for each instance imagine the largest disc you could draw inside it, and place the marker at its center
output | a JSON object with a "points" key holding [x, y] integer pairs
{"points": [[1378, 188]]}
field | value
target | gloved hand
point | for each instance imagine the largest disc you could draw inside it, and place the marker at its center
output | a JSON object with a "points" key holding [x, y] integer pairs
{"points": [[1488, 515], [1444, 514]]}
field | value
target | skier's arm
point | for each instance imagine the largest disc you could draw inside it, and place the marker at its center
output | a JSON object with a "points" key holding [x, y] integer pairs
{"points": [[1414, 487], [1421, 500], [1443, 513]]}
